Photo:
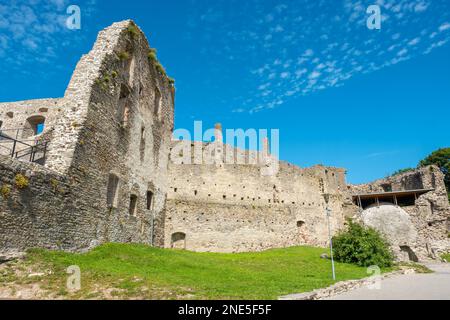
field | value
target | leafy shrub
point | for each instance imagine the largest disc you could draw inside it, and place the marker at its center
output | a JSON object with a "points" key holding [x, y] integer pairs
{"points": [[362, 246]]}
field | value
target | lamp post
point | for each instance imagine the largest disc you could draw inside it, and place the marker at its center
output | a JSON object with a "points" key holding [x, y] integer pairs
{"points": [[326, 197]]}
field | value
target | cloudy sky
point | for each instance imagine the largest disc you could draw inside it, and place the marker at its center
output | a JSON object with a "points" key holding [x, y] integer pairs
{"points": [[372, 101]]}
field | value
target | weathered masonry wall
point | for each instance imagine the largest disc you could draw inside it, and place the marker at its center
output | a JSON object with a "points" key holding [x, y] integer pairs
{"points": [[232, 208], [20, 114], [59, 212], [31, 212], [105, 174], [126, 135], [421, 228], [22, 120]]}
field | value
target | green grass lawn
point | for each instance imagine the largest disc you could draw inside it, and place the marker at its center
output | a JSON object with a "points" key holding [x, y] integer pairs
{"points": [[446, 257], [139, 271]]}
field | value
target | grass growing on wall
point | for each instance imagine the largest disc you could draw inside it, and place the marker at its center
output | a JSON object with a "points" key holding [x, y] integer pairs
{"points": [[139, 271]]}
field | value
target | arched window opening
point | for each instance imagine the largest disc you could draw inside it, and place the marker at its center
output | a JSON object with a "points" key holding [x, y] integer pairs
{"points": [[113, 191], [408, 254], [178, 241], [387, 187], [133, 205], [33, 126], [124, 105], [149, 200]]}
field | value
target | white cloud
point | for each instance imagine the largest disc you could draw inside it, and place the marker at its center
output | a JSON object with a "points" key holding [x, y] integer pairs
{"points": [[402, 52], [321, 51], [34, 30], [414, 41], [422, 6], [308, 53], [299, 73], [444, 27], [314, 75]]}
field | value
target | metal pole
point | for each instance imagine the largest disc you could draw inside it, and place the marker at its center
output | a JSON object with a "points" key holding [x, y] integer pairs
{"points": [[331, 243], [14, 148]]}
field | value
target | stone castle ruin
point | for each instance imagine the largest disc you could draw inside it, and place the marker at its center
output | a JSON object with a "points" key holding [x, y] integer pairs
{"points": [[95, 167]]}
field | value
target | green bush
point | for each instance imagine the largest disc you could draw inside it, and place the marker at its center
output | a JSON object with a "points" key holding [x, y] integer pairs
{"points": [[152, 55], [124, 56], [362, 246], [133, 31]]}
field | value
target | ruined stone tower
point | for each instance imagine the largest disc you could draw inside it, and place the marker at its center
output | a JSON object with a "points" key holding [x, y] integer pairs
{"points": [[98, 171]]}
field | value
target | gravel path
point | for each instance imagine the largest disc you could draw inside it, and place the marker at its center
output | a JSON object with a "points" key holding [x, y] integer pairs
{"points": [[430, 286]]}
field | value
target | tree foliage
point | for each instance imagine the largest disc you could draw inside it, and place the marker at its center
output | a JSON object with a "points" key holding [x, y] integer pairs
{"points": [[440, 158]]}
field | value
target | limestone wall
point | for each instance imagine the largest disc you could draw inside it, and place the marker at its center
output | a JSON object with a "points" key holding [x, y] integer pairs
{"points": [[18, 119], [430, 215], [56, 211], [13, 115], [233, 208]]}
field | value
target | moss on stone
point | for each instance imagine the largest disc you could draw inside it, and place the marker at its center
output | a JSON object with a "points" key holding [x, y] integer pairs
{"points": [[133, 31], [124, 55], [5, 191], [54, 184], [152, 56], [160, 68], [21, 181]]}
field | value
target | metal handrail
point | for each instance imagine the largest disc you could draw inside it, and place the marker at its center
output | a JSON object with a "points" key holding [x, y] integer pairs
{"points": [[18, 132], [30, 150]]}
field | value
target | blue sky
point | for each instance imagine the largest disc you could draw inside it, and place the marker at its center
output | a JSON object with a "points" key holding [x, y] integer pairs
{"points": [[372, 101]]}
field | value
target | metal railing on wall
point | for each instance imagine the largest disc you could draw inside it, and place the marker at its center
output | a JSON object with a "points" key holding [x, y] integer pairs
{"points": [[30, 150]]}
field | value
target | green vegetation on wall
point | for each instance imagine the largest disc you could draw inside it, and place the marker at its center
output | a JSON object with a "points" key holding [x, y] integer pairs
{"points": [[440, 158]]}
